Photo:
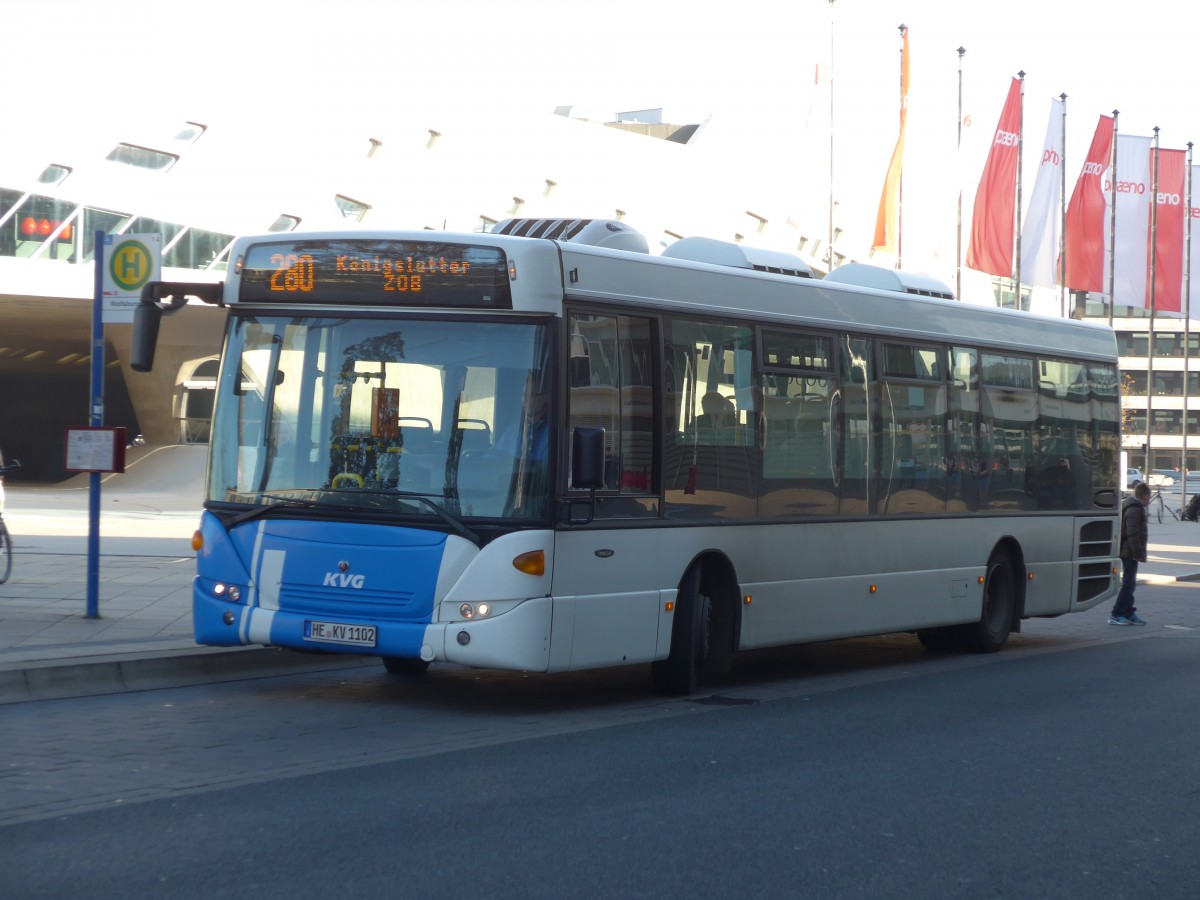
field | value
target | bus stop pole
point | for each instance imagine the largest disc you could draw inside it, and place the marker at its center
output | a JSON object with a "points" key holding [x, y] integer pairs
{"points": [[96, 419]]}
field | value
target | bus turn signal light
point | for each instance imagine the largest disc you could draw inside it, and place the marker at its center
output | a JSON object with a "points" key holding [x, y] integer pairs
{"points": [[197, 540], [531, 563]]}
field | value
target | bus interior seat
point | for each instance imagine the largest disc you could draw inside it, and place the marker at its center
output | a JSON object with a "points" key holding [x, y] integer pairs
{"points": [[416, 439], [475, 438]]}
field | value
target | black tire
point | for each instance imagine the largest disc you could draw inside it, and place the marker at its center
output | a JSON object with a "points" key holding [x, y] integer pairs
{"points": [[691, 633], [5, 553], [401, 665], [991, 632]]}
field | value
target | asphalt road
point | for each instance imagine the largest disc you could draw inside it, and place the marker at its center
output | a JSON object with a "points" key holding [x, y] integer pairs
{"points": [[1065, 766]]}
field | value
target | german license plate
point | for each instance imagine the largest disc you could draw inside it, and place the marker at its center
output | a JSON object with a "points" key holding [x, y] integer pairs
{"points": [[339, 633]]}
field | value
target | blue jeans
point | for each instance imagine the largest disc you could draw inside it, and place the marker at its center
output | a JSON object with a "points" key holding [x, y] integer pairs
{"points": [[1124, 605]]}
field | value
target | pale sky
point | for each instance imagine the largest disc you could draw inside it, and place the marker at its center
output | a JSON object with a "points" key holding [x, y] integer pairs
{"points": [[74, 62]]}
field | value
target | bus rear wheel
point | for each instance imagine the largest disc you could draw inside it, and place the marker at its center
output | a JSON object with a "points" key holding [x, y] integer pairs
{"points": [[401, 665], [991, 632], [691, 636]]}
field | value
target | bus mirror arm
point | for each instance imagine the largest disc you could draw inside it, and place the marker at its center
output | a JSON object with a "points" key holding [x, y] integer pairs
{"points": [[567, 504], [147, 315], [587, 468]]}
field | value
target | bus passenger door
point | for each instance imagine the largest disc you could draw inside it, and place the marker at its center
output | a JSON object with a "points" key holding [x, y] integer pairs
{"points": [[607, 600]]}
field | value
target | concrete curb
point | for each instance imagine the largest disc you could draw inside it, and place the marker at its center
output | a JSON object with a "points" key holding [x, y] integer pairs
{"points": [[88, 677], [1168, 579]]}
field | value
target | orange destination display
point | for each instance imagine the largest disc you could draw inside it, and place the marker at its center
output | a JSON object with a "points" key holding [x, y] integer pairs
{"points": [[355, 271]]}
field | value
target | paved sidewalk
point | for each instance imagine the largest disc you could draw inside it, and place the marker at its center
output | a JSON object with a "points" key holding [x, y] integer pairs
{"points": [[143, 636]]}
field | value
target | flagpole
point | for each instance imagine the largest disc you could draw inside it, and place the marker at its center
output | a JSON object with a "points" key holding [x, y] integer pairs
{"points": [[1112, 221], [1017, 223], [1187, 322], [1153, 266], [958, 257], [1062, 202], [900, 186], [831, 79]]}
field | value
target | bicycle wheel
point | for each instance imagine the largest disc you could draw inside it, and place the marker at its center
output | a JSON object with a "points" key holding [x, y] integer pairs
{"points": [[5, 552], [1161, 504]]}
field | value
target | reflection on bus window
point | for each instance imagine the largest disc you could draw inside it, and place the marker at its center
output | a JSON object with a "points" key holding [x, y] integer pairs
{"points": [[612, 386]]}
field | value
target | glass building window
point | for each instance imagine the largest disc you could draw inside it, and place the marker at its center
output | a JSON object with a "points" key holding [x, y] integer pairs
{"points": [[198, 249], [54, 174], [190, 132], [284, 223], [142, 157], [355, 210]]}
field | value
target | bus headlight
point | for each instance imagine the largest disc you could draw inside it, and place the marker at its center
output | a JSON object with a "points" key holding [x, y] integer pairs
{"points": [[232, 591], [474, 610]]}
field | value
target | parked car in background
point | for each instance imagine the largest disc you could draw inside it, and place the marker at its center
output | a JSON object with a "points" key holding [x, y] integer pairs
{"points": [[1132, 477], [1161, 478]]}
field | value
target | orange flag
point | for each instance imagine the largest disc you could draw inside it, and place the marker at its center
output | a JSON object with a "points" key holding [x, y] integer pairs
{"points": [[887, 222]]}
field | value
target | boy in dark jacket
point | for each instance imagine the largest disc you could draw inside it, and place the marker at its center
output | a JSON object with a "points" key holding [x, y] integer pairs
{"points": [[1135, 535]]}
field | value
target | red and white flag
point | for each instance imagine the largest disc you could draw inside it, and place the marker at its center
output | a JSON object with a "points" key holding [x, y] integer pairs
{"points": [[1130, 246], [1084, 244], [1039, 237], [993, 221], [1168, 232], [887, 221]]}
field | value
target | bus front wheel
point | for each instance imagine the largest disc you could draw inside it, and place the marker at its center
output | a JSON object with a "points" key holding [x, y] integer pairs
{"points": [[691, 634]]}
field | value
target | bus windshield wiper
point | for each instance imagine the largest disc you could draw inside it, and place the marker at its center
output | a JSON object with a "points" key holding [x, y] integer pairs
{"points": [[296, 503], [259, 511], [445, 515]]}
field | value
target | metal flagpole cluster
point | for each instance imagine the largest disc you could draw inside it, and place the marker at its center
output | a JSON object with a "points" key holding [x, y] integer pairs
{"points": [[1017, 224], [958, 257], [1062, 201], [1187, 321], [1153, 267], [900, 186], [1112, 220], [831, 201]]}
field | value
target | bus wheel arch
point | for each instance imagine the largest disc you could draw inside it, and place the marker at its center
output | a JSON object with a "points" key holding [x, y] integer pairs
{"points": [[1001, 608], [705, 628]]}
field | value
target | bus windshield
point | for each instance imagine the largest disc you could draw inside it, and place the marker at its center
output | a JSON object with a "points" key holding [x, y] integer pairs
{"points": [[440, 418]]}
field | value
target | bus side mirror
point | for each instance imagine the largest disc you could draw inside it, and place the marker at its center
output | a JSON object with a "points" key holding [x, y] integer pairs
{"points": [[587, 470], [147, 315], [146, 319], [587, 457]]}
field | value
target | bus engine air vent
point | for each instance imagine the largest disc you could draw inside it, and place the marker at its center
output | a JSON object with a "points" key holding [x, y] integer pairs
{"points": [[595, 232], [898, 280], [738, 256]]}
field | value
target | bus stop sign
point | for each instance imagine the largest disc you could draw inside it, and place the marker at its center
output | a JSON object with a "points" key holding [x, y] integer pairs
{"points": [[131, 260]]}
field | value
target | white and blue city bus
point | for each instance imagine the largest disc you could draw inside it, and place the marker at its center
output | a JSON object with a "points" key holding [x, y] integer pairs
{"points": [[545, 449]]}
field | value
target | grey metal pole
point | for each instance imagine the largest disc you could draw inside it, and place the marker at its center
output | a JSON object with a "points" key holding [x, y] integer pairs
{"points": [[958, 251]]}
